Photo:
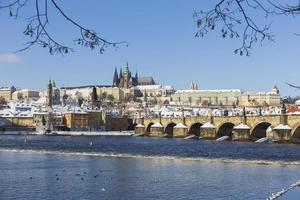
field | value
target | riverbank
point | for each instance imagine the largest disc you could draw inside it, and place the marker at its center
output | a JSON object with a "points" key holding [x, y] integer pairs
{"points": [[72, 133]]}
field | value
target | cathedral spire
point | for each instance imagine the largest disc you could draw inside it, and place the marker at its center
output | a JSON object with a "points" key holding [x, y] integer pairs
{"points": [[136, 78], [53, 83], [136, 74], [116, 79], [127, 68], [120, 74]]}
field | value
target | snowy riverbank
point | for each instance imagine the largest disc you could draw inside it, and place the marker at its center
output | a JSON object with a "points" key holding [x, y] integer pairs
{"points": [[74, 133]]}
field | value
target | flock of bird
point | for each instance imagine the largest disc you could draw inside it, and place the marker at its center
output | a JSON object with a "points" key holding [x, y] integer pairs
{"points": [[80, 175]]}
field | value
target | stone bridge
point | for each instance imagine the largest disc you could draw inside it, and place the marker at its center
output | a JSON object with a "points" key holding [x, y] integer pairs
{"points": [[279, 127]]}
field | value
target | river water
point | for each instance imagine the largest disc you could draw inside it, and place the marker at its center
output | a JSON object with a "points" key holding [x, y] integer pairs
{"points": [[61, 167]]}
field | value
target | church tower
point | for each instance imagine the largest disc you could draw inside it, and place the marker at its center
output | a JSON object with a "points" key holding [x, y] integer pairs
{"points": [[136, 79], [275, 90], [126, 77], [94, 96], [53, 84], [120, 78], [193, 85], [49, 94]]}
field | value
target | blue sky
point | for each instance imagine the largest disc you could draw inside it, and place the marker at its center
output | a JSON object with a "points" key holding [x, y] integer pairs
{"points": [[161, 44]]}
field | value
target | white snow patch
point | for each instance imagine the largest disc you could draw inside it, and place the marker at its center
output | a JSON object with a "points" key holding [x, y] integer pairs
{"points": [[140, 126], [157, 125], [282, 127], [208, 125], [241, 126], [180, 125]]}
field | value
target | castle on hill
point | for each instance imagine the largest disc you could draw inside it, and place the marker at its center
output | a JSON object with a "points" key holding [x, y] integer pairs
{"points": [[126, 80]]}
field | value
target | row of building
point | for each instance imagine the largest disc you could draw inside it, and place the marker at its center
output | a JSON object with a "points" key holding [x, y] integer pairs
{"points": [[231, 97], [63, 118], [11, 93], [126, 87]]}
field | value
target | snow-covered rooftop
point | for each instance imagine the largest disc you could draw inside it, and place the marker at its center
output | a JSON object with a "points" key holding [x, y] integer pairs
{"points": [[180, 125], [282, 127], [241, 126], [205, 91], [6, 88], [153, 87], [140, 126], [157, 125], [208, 125]]}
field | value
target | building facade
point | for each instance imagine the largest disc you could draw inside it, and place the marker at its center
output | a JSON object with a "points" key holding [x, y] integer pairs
{"points": [[271, 98], [77, 121], [6, 92], [25, 94], [207, 97]]}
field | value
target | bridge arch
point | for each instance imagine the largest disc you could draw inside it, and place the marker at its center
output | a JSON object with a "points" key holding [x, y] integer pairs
{"points": [[170, 129], [259, 130], [225, 129], [148, 128], [296, 134], [195, 129]]}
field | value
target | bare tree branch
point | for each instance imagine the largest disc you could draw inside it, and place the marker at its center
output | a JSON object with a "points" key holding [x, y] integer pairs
{"points": [[38, 33], [293, 86], [236, 19]]}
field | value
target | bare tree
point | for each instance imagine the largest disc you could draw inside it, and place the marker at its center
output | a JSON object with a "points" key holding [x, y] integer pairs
{"points": [[110, 98], [37, 27], [293, 86], [20, 96], [238, 19], [2, 102], [103, 96]]}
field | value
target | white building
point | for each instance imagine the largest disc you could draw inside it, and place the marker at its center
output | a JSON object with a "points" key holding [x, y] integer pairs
{"points": [[207, 97], [271, 98], [155, 90], [25, 94]]}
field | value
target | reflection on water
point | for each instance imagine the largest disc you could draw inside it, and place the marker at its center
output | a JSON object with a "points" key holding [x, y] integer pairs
{"points": [[32, 174]]}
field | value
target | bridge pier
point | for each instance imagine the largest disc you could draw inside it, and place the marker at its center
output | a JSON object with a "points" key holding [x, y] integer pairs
{"points": [[241, 132], [208, 130], [139, 129], [156, 130], [180, 130], [281, 133]]}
